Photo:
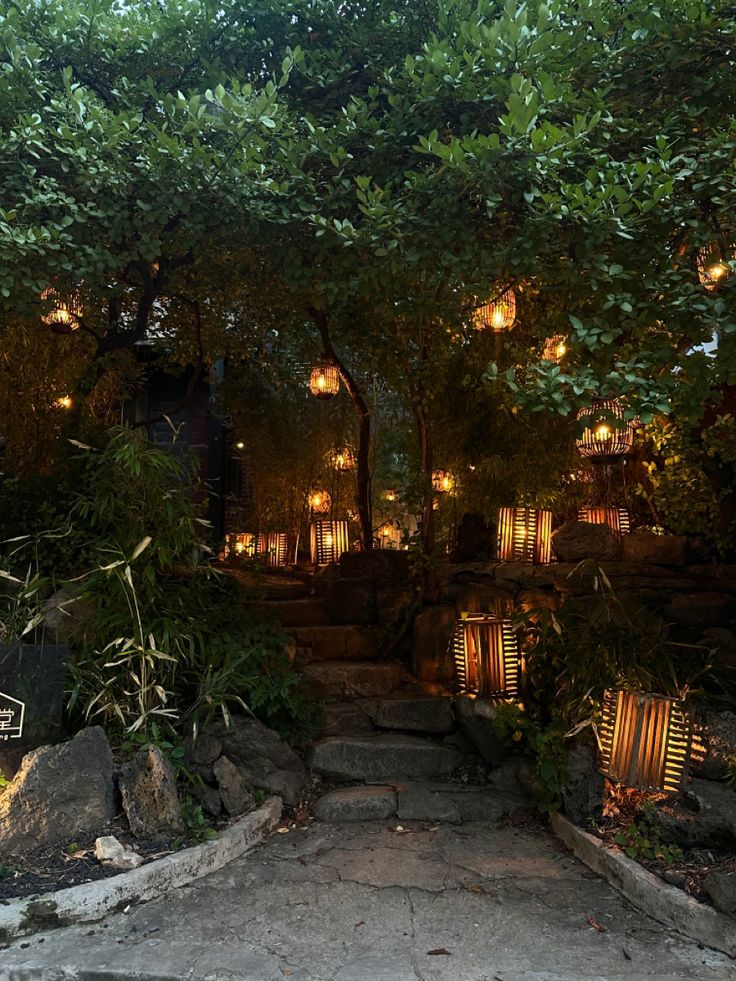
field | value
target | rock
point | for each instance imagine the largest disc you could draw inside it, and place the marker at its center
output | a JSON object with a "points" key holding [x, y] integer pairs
{"points": [[454, 802], [352, 601], [716, 732], [702, 609], [645, 546], [262, 756], [324, 579], [475, 539], [575, 541], [702, 817], [538, 599], [421, 802], [150, 798], [208, 798], [721, 887], [582, 791], [378, 758], [424, 713], [64, 613], [723, 644], [352, 643], [345, 719], [474, 717], [431, 658], [232, 787], [480, 598], [109, 851], [58, 793], [356, 804], [201, 753], [306, 612], [378, 565], [393, 604], [348, 679]]}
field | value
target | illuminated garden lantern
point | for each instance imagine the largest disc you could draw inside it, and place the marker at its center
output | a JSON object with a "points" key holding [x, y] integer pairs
{"points": [[390, 535], [487, 656], [65, 312], [525, 535], [605, 439], [617, 519], [496, 314], [65, 402], [555, 348], [328, 540], [277, 549], [342, 459], [442, 481], [324, 381], [245, 544], [645, 740], [390, 495], [320, 501], [712, 264]]}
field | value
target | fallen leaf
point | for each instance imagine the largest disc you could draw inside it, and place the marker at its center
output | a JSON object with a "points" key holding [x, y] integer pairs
{"points": [[286, 971], [438, 952], [301, 860], [476, 887], [626, 954], [282, 831], [596, 925]]}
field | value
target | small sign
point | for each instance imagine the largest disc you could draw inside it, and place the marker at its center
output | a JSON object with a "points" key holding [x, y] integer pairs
{"points": [[12, 715]]}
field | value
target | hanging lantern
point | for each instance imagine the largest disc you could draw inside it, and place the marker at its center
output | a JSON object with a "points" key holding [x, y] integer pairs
{"points": [[487, 656], [645, 740], [342, 459], [65, 402], [324, 381], [390, 535], [328, 540], [496, 314], [525, 535], [555, 348], [390, 495], [65, 312], [604, 440], [277, 549], [617, 519], [320, 501], [442, 481], [712, 263]]}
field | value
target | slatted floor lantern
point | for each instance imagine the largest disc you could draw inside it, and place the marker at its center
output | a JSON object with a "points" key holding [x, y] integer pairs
{"points": [[607, 436], [65, 312], [496, 314], [487, 656], [442, 481], [525, 535], [328, 540], [277, 549], [617, 519], [712, 262], [645, 740], [555, 348], [324, 380]]}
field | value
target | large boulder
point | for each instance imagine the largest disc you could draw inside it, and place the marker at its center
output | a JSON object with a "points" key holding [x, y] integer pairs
{"points": [[58, 793], [411, 713], [578, 540], [352, 601], [717, 736], [721, 887], [645, 546], [475, 720], [233, 787], [149, 794], [474, 597], [378, 565], [702, 610], [703, 817], [264, 759], [582, 790], [432, 658]]}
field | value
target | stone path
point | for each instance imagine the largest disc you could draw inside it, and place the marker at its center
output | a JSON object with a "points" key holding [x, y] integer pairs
{"points": [[367, 902]]}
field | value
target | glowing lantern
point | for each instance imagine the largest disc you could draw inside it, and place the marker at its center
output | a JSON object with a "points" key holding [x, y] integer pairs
{"points": [[245, 544], [328, 540], [65, 313], [342, 459], [525, 535], [496, 314], [390, 535], [442, 481], [617, 519], [712, 263], [65, 402], [324, 382], [603, 439], [487, 656], [390, 495], [555, 348], [240, 445], [277, 549], [645, 740], [320, 501]]}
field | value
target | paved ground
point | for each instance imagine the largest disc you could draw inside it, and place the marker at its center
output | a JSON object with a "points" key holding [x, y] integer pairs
{"points": [[368, 903]]}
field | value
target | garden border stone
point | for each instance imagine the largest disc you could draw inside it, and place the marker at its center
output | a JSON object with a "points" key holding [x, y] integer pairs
{"points": [[94, 900], [665, 903]]}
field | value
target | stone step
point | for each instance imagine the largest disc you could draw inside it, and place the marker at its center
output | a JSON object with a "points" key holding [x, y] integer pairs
{"points": [[303, 612], [411, 713], [340, 643], [381, 758], [345, 719], [337, 680]]}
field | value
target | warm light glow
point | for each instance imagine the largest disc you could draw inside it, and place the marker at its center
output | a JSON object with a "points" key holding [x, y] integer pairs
{"points": [[390, 495], [601, 432], [328, 540], [442, 481], [487, 656], [342, 459], [602, 440], [525, 535], [244, 543], [65, 402], [555, 348], [497, 314], [324, 381], [617, 519], [712, 263], [65, 313], [240, 445], [320, 501]]}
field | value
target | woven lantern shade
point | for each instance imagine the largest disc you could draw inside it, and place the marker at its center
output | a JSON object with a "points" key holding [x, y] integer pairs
{"points": [[645, 740], [324, 381], [712, 264], [320, 501], [617, 519], [342, 459], [442, 481], [496, 314], [65, 313], [525, 535], [487, 656], [277, 549], [555, 348], [328, 540], [603, 440], [245, 544]]}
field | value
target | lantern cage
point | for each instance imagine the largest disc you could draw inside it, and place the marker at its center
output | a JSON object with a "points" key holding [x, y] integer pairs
{"points": [[602, 440], [391, 495], [645, 740], [525, 535], [65, 313], [328, 540], [496, 314], [390, 535], [320, 501], [487, 656], [617, 519], [555, 348], [277, 549], [442, 481], [324, 381], [712, 262], [244, 545], [342, 459]]}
